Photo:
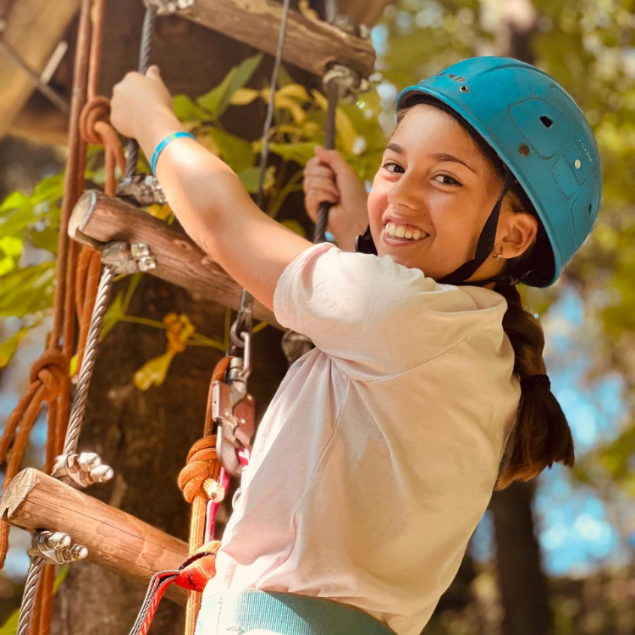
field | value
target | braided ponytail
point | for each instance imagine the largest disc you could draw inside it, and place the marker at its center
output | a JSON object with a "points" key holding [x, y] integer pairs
{"points": [[541, 435]]}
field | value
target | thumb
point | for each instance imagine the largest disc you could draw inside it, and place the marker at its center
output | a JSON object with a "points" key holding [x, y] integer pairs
{"points": [[153, 72]]}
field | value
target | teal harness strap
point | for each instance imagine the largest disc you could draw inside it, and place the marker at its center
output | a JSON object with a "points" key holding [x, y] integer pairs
{"points": [[239, 612]]}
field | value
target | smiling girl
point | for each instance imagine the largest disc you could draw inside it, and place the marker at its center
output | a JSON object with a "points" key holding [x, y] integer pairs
{"points": [[427, 388]]}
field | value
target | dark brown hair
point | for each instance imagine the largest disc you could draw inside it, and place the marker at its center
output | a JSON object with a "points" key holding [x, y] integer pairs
{"points": [[541, 435]]}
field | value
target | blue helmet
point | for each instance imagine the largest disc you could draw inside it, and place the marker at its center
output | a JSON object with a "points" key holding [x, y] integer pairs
{"points": [[543, 139]]}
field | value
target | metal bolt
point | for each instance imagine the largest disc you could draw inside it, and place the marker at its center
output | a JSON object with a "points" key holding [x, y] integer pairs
{"points": [[139, 250], [57, 540], [578, 164], [147, 263], [102, 474], [78, 552]]}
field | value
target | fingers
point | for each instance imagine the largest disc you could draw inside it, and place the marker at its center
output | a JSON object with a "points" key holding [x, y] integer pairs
{"points": [[314, 198], [332, 158], [153, 72]]}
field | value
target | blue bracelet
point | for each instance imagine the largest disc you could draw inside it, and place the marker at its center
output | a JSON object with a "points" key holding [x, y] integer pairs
{"points": [[165, 142]]}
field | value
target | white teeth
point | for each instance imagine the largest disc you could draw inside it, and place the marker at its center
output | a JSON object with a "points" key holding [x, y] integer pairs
{"points": [[401, 232]]}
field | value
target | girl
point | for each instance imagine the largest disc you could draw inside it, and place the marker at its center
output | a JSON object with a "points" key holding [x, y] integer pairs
{"points": [[380, 451]]}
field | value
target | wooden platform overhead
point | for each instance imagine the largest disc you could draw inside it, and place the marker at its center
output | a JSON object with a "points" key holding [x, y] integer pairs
{"points": [[309, 44]]}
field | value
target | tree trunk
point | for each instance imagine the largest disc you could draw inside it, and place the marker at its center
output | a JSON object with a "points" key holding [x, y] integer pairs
{"points": [[145, 436], [523, 585]]}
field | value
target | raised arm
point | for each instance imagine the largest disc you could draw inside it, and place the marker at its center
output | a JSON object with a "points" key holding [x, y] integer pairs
{"points": [[205, 194]]}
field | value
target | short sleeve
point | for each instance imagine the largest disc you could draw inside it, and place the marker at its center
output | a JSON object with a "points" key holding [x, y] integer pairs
{"points": [[374, 317]]}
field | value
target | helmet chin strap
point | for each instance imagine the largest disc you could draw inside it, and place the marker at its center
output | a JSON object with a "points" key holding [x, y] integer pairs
{"points": [[365, 245], [484, 247]]}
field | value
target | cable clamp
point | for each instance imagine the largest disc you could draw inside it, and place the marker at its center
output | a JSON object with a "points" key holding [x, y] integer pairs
{"points": [[128, 259], [347, 81], [82, 469], [56, 547], [142, 189], [167, 7]]}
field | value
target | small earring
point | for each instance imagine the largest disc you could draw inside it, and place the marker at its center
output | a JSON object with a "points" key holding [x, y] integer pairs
{"points": [[498, 256]]}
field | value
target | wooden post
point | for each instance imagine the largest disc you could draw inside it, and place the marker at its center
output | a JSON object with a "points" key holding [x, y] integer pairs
{"points": [[309, 44], [103, 219], [115, 540]]}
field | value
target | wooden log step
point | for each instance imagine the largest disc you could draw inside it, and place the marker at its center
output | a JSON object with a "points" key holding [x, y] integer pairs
{"points": [[115, 540], [309, 44], [179, 259]]}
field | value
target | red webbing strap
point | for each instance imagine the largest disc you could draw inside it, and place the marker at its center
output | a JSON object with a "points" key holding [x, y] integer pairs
{"points": [[193, 575]]}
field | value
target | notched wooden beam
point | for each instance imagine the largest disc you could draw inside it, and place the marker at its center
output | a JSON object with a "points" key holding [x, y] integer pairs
{"points": [[115, 540], [104, 219]]}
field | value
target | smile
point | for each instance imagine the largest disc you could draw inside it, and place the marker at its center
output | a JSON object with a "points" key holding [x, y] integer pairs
{"points": [[402, 234]]}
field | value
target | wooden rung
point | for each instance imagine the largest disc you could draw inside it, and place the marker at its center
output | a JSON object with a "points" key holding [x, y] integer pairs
{"points": [[309, 44], [103, 219], [115, 540]]}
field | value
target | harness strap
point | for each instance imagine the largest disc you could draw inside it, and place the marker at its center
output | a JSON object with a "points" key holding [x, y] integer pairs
{"points": [[193, 575], [252, 610]]}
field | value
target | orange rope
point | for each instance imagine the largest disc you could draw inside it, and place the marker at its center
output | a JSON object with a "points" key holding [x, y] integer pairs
{"points": [[196, 480]]}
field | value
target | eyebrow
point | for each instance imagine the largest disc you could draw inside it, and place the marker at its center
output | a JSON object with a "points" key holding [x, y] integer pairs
{"points": [[440, 157]]}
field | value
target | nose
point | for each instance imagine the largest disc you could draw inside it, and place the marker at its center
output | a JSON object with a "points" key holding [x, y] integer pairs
{"points": [[406, 192]]}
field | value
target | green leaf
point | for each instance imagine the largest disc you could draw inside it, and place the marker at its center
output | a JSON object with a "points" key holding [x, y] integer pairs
{"points": [[294, 226], [217, 100], [27, 290], [251, 178], [153, 371], [298, 152], [186, 110], [236, 152], [46, 239], [9, 347], [10, 627], [112, 316], [10, 252]]}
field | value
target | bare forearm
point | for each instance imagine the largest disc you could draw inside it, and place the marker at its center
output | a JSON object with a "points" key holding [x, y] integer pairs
{"points": [[214, 208]]}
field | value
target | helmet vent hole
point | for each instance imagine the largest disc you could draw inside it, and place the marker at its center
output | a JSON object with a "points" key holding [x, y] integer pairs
{"points": [[464, 89], [524, 150], [547, 122], [590, 209]]}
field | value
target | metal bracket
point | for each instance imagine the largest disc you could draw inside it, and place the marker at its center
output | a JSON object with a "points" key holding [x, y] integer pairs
{"points": [[167, 7], [56, 547], [143, 189], [81, 469], [128, 258], [347, 81]]}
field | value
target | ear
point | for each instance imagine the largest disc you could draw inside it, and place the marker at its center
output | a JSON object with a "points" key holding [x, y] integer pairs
{"points": [[518, 232]]}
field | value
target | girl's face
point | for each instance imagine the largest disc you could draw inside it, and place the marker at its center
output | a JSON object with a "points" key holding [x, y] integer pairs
{"points": [[432, 196]]}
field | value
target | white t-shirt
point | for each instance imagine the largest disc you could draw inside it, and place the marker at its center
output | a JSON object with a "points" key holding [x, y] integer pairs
{"points": [[378, 455]]}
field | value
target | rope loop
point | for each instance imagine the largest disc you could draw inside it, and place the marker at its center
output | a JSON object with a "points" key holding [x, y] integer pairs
{"points": [[96, 129], [202, 465], [51, 368]]}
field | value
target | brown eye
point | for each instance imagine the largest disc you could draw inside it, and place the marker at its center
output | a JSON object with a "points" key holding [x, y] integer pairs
{"points": [[445, 179], [389, 165]]}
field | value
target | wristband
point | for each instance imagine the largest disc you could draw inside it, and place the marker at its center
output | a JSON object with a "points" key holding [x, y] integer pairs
{"points": [[164, 143]]}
